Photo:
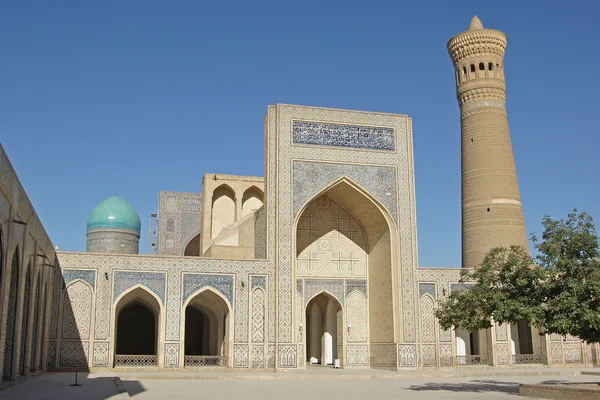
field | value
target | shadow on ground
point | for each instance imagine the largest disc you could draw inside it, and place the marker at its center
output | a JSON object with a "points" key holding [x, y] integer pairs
{"points": [[475, 386], [56, 386]]}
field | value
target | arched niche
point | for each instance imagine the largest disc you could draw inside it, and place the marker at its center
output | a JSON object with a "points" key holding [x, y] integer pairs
{"points": [[372, 240], [252, 200], [137, 317], [192, 248], [324, 329], [207, 329], [11, 318], [223, 209]]}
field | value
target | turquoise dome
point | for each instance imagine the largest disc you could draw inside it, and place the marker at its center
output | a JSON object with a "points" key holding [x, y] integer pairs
{"points": [[115, 213]]}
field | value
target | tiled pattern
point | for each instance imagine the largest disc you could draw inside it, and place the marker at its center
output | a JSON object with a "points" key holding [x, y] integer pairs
{"points": [[335, 287], [174, 269], [357, 355], [259, 281], [400, 159], [77, 311], [124, 280], [407, 355], [356, 316], [171, 355], [337, 135], [428, 288], [194, 282], [310, 178], [69, 275], [100, 354]]}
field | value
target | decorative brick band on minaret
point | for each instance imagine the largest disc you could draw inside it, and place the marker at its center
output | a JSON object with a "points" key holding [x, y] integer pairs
{"points": [[492, 215]]}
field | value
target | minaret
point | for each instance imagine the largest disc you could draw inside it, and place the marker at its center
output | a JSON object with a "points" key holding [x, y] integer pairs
{"points": [[492, 215]]}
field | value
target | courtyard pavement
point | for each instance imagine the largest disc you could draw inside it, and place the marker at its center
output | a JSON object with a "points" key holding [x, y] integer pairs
{"points": [[313, 383]]}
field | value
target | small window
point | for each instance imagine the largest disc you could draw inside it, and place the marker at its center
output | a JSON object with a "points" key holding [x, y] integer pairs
{"points": [[491, 66], [472, 67], [481, 66], [465, 71]]}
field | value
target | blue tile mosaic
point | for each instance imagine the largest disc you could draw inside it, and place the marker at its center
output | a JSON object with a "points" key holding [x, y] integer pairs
{"points": [[154, 281], [459, 287], [337, 135], [221, 283], [359, 284], [316, 286], [259, 281], [309, 178], [69, 275], [427, 288]]}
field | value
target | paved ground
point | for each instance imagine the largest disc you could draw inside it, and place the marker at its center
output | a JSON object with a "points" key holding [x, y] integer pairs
{"points": [[366, 384]]}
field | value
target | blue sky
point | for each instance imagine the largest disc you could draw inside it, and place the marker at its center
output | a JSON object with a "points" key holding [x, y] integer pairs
{"points": [[142, 96]]}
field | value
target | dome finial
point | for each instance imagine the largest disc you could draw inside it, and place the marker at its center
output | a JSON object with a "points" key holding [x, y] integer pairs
{"points": [[475, 24]]}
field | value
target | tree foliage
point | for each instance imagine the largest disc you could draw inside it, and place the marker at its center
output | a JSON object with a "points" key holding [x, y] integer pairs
{"points": [[558, 291]]}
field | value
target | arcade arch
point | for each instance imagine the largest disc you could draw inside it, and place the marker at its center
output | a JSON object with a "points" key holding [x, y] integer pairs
{"points": [[252, 200], [137, 318], [207, 326], [223, 209], [324, 329]]}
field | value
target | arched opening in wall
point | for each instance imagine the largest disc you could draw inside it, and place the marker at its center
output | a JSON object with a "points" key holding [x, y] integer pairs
{"points": [[43, 322], [324, 329], [521, 342], [345, 233], [481, 66], [137, 317], [472, 67], [192, 249], [491, 66], [223, 210], [36, 322], [471, 348], [25, 319], [206, 330], [11, 319], [252, 200], [464, 72]]}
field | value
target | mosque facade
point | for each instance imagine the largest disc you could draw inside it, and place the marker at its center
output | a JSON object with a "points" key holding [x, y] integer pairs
{"points": [[313, 264]]}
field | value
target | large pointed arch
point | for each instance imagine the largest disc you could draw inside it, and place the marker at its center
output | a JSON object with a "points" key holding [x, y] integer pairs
{"points": [[382, 250]]}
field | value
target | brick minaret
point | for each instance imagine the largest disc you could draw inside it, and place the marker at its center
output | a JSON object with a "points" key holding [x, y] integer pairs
{"points": [[491, 204]]}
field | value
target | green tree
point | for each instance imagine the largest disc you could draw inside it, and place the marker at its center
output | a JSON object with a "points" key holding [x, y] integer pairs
{"points": [[557, 292]]}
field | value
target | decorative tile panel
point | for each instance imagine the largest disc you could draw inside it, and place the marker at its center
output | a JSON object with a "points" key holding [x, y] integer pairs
{"points": [[502, 351], [100, 354], [124, 280], [338, 135], [259, 281], [70, 275], [353, 284], [171, 355], [51, 354], [193, 282], [357, 355], [428, 288], [74, 353], [407, 355], [240, 356], [287, 356]]}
